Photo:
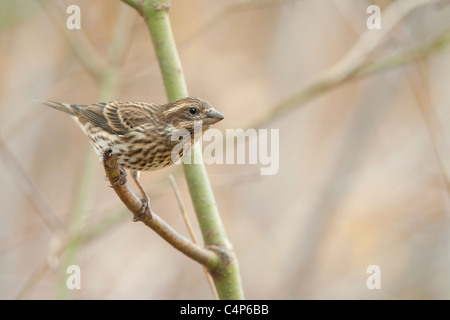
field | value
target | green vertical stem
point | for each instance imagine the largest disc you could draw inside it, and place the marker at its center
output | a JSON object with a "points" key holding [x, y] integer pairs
{"points": [[226, 276]]}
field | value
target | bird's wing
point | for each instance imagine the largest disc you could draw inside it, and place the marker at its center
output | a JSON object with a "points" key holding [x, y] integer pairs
{"points": [[115, 117]]}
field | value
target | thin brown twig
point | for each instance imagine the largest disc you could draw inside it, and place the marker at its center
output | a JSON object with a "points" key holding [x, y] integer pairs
{"points": [[115, 173], [191, 232], [183, 210]]}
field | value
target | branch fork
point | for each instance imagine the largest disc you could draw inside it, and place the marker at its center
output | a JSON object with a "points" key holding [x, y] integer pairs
{"points": [[116, 177]]}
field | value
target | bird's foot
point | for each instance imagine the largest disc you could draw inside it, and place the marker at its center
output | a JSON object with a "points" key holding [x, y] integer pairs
{"points": [[145, 209], [122, 178]]}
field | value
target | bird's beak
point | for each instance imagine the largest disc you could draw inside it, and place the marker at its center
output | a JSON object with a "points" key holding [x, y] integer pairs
{"points": [[212, 117]]}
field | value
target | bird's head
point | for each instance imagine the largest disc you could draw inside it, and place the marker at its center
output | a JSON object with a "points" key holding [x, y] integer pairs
{"points": [[191, 114]]}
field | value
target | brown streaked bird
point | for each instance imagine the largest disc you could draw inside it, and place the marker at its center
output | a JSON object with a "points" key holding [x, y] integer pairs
{"points": [[140, 133]]}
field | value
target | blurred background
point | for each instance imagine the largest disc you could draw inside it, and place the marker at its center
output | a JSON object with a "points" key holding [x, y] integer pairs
{"points": [[363, 118]]}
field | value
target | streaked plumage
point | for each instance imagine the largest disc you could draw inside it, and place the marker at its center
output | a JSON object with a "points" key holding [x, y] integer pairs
{"points": [[140, 133]]}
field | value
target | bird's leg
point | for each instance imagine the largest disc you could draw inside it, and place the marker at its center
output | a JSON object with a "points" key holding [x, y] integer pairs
{"points": [[145, 200]]}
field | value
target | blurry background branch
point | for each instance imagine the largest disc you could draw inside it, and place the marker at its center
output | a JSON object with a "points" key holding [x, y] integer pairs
{"points": [[105, 72], [107, 78], [33, 194], [80, 44], [417, 76], [356, 63]]}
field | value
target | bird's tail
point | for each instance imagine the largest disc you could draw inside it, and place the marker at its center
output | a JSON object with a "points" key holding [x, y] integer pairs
{"points": [[64, 107]]}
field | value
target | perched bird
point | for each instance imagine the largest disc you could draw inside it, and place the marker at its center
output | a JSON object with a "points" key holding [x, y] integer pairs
{"points": [[142, 135]]}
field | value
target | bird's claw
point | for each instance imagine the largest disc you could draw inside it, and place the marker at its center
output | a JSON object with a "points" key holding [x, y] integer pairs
{"points": [[141, 214], [122, 179]]}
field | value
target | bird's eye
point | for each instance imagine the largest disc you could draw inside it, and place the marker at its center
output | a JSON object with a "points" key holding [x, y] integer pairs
{"points": [[193, 111]]}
